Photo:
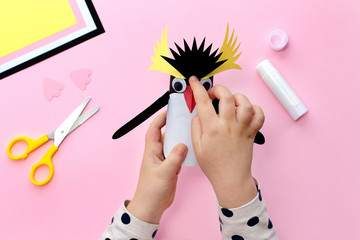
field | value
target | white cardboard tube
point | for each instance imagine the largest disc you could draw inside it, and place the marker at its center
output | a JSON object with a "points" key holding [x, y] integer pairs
{"points": [[281, 89]]}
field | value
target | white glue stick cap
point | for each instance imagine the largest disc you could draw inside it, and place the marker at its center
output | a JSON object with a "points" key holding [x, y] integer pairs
{"points": [[281, 89], [278, 39]]}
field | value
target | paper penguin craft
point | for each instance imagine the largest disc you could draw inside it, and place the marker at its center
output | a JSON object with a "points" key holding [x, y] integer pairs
{"points": [[194, 61]]}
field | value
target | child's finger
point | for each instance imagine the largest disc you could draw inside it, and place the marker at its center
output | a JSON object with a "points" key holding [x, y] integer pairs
{"points": [[258, 119], [178, 171], [162, 137], [226, 103], [244, 109], [196, 132], [153, 135], [170, 166], [204, 106]]}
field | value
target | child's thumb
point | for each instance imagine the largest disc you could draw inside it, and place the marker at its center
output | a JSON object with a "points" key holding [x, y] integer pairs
{"points": [[173, 162]]}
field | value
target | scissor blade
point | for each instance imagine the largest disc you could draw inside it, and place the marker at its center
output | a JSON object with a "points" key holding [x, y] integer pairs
{"points": [[63, 130], [83, 118]]}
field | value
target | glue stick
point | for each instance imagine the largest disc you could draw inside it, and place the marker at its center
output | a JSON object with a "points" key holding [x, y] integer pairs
{"points": [[281, 89]]}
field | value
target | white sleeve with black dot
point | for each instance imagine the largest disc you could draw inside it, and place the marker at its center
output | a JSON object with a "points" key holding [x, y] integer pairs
{"points": [[125, 226], [248, 222]]}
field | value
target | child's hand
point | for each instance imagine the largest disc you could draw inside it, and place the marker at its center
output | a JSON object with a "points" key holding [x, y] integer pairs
{"points": [[223, 143], [158, 177]]}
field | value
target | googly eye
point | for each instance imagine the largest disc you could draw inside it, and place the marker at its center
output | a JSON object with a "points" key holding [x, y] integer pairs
{"points": [[179, 85], [206, 83]]}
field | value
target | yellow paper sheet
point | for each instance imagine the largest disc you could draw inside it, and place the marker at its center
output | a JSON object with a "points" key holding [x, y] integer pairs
{"points": [[23, 22]]}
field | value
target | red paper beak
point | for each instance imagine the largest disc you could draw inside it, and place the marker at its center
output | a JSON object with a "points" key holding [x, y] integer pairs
{"points": [[189, 99]]}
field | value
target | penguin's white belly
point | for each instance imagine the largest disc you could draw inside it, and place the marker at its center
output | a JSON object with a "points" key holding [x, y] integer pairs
{"points": [[178, 127]]}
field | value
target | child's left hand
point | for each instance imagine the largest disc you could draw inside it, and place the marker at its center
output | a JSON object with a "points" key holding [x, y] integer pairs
{"points": [[158, 176]]}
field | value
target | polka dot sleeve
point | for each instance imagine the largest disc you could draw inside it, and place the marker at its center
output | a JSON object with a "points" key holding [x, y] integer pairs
{"points": [[248, 222], [126, 226]]}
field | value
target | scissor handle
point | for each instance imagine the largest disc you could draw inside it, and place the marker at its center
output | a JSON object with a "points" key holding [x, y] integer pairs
{"points": [[44, 161], [32, 145]]}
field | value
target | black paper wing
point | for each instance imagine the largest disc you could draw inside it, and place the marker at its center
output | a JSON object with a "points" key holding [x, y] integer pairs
{"points": [[141, 117]]}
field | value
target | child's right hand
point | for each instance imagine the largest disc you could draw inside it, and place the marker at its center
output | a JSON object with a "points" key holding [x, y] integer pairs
{"points": [[223, 143]]}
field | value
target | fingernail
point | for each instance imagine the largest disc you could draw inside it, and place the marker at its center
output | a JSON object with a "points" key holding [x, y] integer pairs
{"points": [[181, 150], [192, 78]]}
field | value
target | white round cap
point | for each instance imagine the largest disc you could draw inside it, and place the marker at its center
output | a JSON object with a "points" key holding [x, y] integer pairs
{"points": [[278, 39]]}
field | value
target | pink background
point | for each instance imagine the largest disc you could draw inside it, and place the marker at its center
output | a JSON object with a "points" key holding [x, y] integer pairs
{"points": [[308, 169]]}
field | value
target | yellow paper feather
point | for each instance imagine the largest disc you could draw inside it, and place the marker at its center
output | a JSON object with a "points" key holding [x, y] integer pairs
{"points": [[228, 51], [159, 63]]}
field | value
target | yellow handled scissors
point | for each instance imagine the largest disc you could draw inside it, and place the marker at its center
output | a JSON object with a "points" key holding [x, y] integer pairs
{"points": [[73, 121]]}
